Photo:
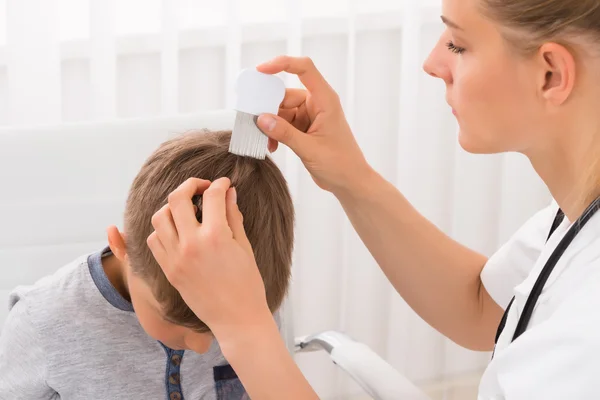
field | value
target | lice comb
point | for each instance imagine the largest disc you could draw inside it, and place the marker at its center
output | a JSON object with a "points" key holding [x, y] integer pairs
{"points": [[257, 93]]}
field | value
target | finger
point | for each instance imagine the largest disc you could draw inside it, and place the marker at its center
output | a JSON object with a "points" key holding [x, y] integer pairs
{"points": [[298, 117], [236, 221], [304, 67], [213, 204], [181, 206], [293, 98], [282, 131], [289, 114], [302, 121], [158, 250], [164, 226], [273, 144]]}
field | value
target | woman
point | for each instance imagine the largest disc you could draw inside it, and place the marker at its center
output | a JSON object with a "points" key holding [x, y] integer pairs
{"points": [[521, 75]]}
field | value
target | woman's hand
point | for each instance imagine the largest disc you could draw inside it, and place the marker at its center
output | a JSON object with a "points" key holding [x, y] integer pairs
{"points": [[211, 263], [212, 266], [312, 123]]}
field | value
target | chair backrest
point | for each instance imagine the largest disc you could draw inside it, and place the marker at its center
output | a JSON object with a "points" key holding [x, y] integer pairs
{"points": [[63, 185]]}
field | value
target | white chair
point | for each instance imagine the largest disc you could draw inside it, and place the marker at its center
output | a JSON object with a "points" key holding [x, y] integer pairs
{"points": [[62, 185]]}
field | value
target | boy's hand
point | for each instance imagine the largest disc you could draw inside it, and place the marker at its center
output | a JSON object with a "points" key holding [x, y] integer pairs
{"points": [[312, 123], [211, 263]]}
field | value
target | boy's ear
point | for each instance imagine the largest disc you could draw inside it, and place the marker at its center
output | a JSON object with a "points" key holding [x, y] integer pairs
{"points": [[116, 242]]}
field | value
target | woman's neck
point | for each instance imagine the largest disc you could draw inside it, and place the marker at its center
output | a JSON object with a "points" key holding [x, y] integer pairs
{"points": [[568, 169], [566, 154]]}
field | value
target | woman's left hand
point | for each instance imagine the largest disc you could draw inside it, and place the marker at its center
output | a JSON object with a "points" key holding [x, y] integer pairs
{"points": [[211, 264]]}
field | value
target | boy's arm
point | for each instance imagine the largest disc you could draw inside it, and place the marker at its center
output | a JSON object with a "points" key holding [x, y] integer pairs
{"points": [[22, 359]]}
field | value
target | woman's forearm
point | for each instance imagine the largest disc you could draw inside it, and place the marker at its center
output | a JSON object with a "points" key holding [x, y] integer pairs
{"points": [[438, 277], [263, 363]]}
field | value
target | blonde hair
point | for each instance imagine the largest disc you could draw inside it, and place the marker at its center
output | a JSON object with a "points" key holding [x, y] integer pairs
{"points": [[529, 23], [263, 199]]}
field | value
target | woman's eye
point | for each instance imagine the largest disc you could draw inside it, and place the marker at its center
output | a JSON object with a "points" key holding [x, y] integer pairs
{"points": [[454, 49]]}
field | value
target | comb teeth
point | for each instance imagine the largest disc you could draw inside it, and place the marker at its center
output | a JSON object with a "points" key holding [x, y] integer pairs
{"points": [[246, 139]]}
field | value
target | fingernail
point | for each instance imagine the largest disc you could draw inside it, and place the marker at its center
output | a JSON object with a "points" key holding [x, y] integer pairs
{"points": [[233, 195], [267, 122]]}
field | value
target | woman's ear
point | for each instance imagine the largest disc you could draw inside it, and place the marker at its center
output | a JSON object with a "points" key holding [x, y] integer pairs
{"points": [[557, 73], [116, 242]]}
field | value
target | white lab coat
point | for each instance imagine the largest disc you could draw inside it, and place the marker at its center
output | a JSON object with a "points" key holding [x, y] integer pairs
{"points": [[558, 356]]}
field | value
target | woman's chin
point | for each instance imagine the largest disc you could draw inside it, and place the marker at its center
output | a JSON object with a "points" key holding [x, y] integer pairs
{"points": [[474, 145]]}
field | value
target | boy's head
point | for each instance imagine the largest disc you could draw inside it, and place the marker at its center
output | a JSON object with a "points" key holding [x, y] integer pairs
{"points": [[263, 199]]}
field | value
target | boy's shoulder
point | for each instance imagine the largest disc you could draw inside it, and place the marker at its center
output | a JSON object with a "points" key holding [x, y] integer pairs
{"points": [[50, 294]]}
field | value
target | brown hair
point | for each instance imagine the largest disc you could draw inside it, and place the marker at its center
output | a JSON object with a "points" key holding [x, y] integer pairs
{"points": [[532, 22], [263, 199]]}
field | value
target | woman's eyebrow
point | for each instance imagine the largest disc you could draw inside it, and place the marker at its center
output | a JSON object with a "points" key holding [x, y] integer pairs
{"points": [[450, 23]]}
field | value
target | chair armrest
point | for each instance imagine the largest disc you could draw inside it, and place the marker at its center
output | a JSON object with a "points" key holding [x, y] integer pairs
{"points": [[379, 379]]}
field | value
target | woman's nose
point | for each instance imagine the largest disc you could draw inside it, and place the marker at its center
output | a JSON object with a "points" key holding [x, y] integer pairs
{"points": [[435, 67], [428, 67], [438, 65]]}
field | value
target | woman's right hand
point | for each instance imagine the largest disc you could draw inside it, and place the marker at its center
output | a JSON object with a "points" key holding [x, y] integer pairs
{"points": [[312, 123]]}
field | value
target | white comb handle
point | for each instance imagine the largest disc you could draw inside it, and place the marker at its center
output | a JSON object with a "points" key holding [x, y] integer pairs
{"points": [[258, 93]]}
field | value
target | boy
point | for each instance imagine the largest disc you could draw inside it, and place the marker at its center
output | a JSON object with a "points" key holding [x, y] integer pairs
{"points": [[110, 326]]}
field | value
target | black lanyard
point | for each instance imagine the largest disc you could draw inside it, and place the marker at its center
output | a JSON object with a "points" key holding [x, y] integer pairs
{"points": [[548, 267]]}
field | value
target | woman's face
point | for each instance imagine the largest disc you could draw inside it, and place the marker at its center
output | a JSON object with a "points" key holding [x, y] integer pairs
{"points": [[491, 89]]}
